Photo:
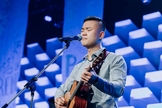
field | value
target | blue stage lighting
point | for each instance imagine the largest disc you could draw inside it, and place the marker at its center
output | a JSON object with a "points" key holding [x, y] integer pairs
{"points": [[48, 18], [146, 1]]}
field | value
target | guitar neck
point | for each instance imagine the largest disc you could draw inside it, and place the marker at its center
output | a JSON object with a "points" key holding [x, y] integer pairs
{"points": [[75, 91]]}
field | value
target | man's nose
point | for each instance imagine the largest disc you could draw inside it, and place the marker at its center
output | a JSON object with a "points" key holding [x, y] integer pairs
{"points": [[84, 33]]}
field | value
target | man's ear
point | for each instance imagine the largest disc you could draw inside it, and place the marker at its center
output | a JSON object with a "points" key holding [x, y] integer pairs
{"points": [[102, 34]]}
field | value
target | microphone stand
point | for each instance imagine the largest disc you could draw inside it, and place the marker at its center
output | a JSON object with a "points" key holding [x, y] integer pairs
{"points": [[30, 85]]}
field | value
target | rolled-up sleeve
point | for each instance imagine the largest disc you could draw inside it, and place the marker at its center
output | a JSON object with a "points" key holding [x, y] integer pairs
{"points": [[115, 84]]}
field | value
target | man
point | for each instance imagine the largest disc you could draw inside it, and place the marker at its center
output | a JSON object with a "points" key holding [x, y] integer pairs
{"points": [[106, 85]]}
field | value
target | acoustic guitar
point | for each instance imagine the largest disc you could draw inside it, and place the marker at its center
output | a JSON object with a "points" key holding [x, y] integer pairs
{"points": [[77, 96]]}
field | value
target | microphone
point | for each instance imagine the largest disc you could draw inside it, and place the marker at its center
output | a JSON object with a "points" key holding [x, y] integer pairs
{"points": [[77, 37]]}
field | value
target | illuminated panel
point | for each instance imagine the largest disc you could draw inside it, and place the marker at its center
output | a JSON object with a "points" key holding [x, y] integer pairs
{"points": [[30, 73], [122, 101], [153, 50], [58, 80], [156, 105], [42, 84], [159, 35], [52, 71], [52, 45], [42, 104], [22, 106], [153, 80], [20, 86], [127, 107], [41, 60], [137, 39], [140, 97], [160, 64], [32, 50], [50, 93], [138, 68], [128, 53], [25, 64], [131, 83], [37, 98], [122, 29], [151, 21], [112, 43]]}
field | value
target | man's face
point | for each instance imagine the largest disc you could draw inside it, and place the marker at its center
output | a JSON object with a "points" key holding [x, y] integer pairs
{"points": [[90, 33]]}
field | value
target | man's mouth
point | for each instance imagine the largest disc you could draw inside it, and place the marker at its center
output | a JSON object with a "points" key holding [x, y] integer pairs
{"points": [[84, 38]]}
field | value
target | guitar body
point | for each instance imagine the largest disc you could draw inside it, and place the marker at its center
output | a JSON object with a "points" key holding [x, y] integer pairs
{"points": [[77, 101]]}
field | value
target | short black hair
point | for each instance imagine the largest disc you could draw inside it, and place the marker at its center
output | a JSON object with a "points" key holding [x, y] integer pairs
{"points": [[96, 19]]}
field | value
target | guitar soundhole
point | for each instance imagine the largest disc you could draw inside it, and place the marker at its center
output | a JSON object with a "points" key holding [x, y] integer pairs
{"points": [[82, 94]]}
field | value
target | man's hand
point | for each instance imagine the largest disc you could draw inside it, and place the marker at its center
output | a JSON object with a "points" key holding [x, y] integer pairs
{"points": [[89, 77], [60, 102]]}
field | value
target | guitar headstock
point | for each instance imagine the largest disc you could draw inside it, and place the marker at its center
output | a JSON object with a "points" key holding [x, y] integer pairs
{"points": [[99, 59]]}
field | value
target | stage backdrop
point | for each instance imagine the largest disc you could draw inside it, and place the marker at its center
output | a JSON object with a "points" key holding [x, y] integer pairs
{"points": [[74, 14], [13, 23]]}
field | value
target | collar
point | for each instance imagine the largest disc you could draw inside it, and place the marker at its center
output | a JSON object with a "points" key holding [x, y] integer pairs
{"points": [[94, 55]]}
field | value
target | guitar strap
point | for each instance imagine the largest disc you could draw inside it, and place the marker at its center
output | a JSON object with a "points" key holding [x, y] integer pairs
{"points": [[97, 68]]}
